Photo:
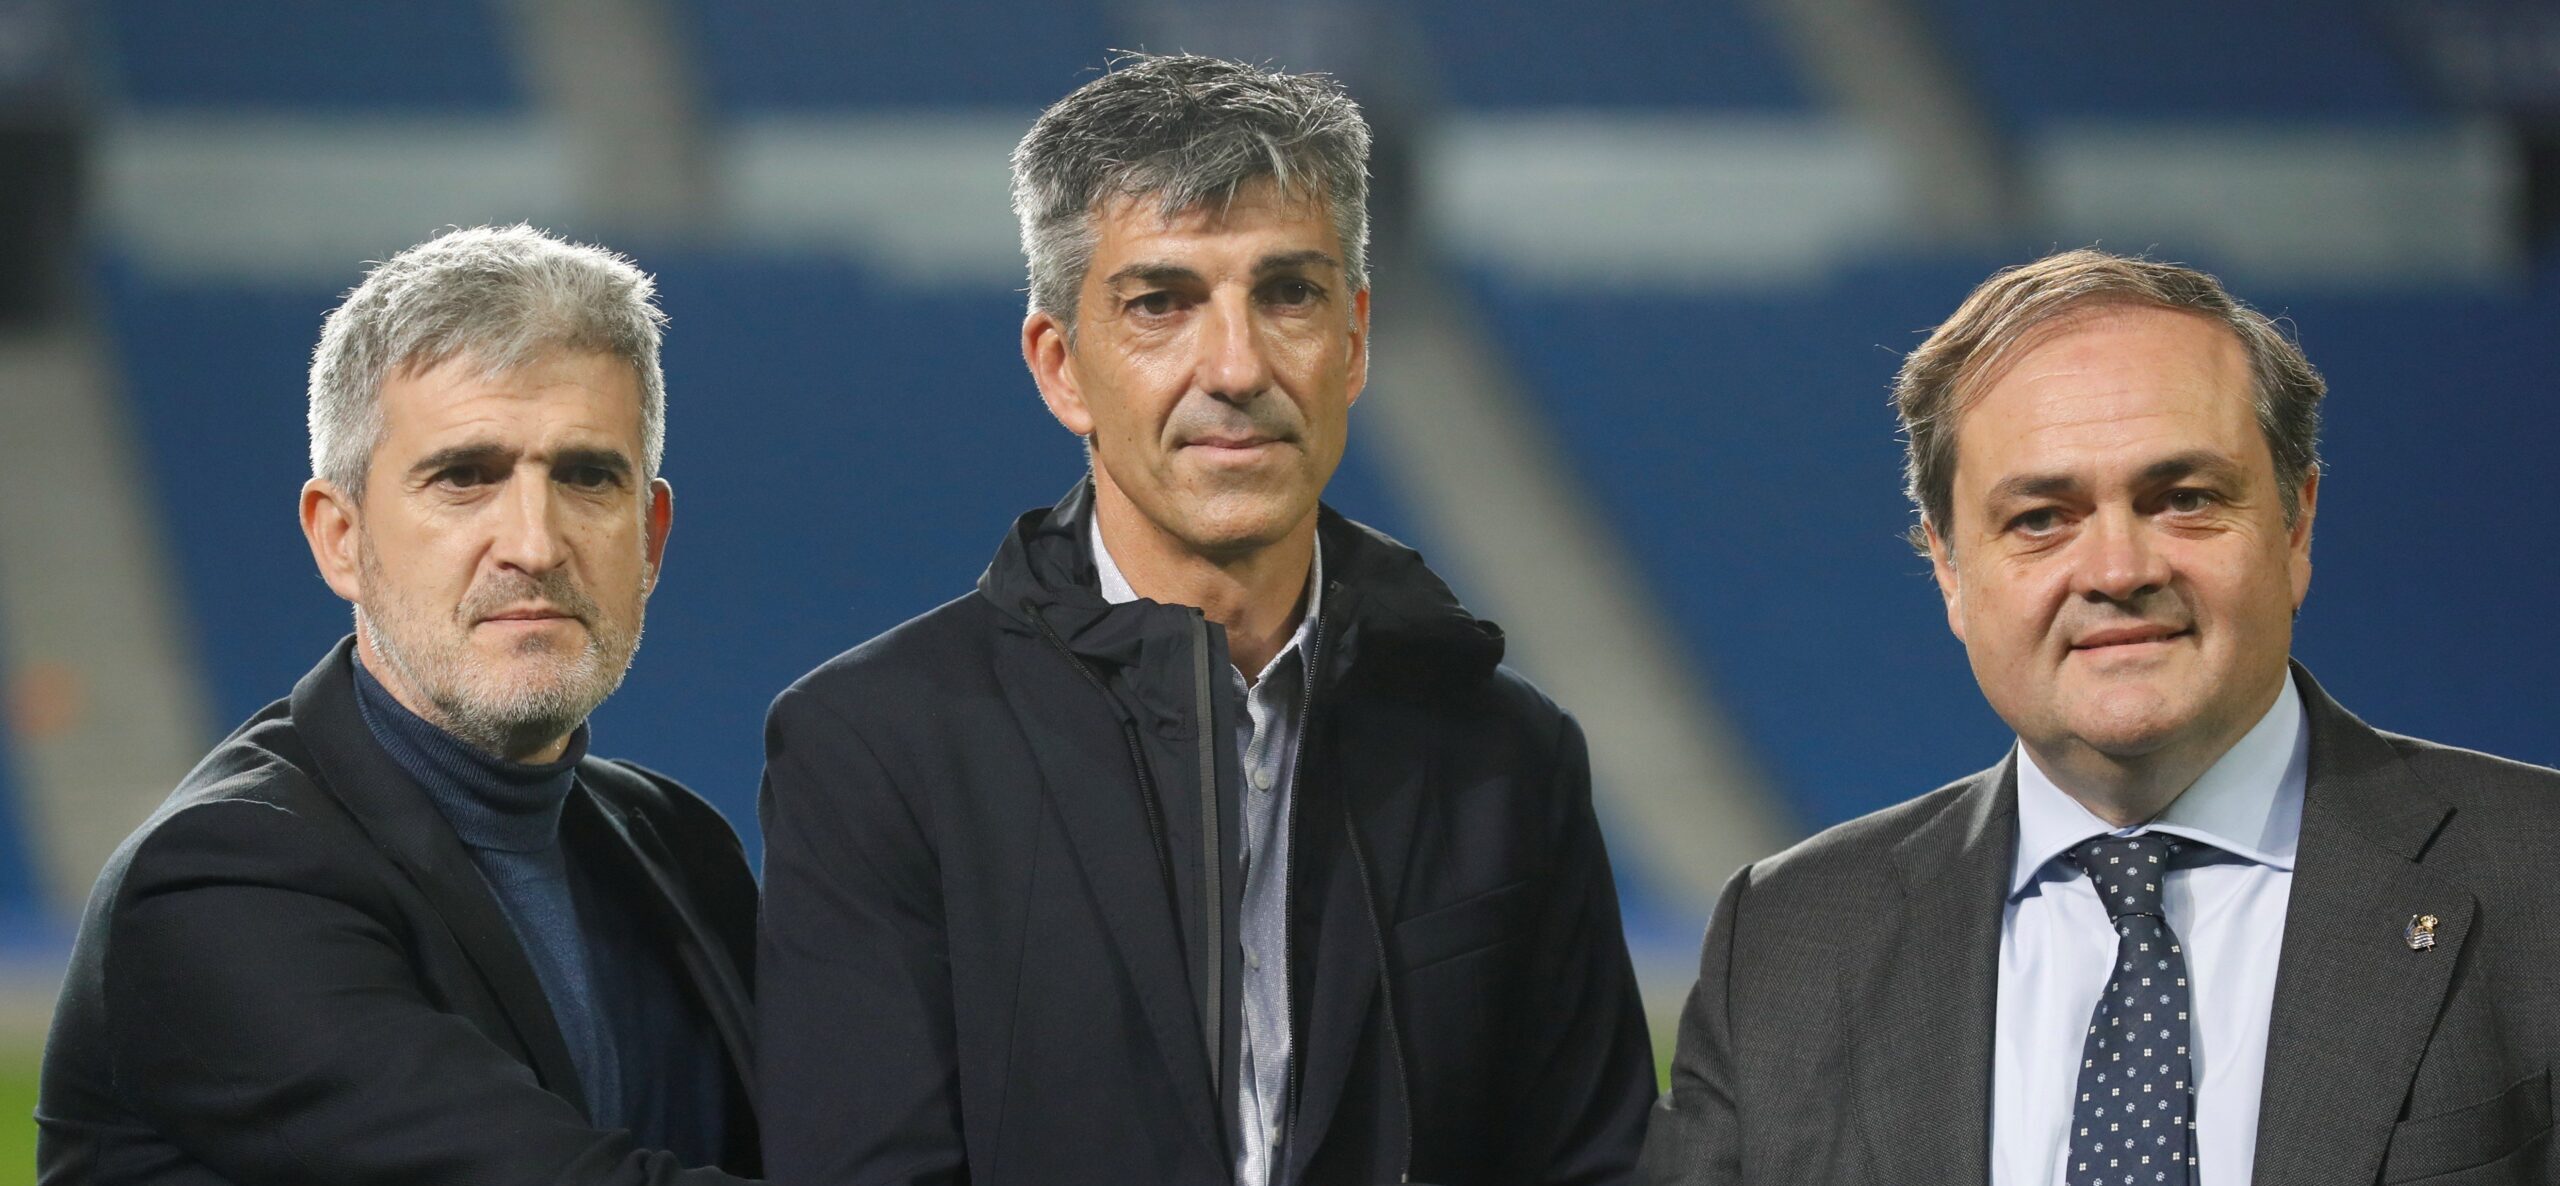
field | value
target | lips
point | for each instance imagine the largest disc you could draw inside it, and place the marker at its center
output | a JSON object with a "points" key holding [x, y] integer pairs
{"points": [[2122, 636], [1244, 442], [531, 614]]}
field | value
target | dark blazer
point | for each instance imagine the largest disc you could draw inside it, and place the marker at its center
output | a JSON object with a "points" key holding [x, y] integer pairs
{"points": [[1841, 1028], [985, 956], [293, 973]]}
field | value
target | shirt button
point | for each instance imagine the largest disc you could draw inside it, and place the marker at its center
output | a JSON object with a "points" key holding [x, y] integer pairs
{"points": [[1261, 780], [1251, 960]]}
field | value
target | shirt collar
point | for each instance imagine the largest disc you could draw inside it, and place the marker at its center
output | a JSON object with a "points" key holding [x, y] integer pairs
{"points": [[1116, 590], [2248, 803]]}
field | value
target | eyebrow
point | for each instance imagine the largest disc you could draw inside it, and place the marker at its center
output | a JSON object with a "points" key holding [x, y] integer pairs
{"points": [[2191, 463], [487, 453], [1152, 272], [2024, 486], [1294, 260], [481, 453], [612, 460], [2167, 469]]}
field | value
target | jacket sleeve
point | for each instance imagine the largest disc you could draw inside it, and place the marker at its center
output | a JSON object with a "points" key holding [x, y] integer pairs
{"points": [[859, 1064], [1592, 1076], [263, 1014], [1696, 1139]]}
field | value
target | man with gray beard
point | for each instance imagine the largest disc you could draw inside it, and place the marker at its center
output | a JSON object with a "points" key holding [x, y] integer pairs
{"points": [[401, 926]]}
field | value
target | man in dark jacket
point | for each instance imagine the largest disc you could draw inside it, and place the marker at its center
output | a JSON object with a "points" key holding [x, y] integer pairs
{"points": [[1207, 841], [401, 927]]}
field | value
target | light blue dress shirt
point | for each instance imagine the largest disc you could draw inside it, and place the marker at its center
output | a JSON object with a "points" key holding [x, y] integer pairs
{"points": [[1267, 750], [2057, 944]]}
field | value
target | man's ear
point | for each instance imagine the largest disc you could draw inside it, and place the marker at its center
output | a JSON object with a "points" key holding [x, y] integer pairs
{"points": [[1359, 345], [1049, 352], [2298, 538], [334, 527], [1950, 585], [660, 522]]}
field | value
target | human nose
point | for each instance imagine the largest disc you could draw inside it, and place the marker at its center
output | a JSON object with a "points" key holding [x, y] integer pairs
{"points": [[528, 535], [1233, 363], [2123, 561]]}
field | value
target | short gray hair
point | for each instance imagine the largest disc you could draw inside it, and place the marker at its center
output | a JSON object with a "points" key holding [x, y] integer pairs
{"points": [[1183, 130], [505, 296], [1941, 378]]}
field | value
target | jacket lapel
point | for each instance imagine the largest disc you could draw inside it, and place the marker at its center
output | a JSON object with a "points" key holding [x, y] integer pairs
{"points": [[397, 816], [1922, 1035], [2330, 1097], [1339, 959], [1094, 790], [632, 842]]}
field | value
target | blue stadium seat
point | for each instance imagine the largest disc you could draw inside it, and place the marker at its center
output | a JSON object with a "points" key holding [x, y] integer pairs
{"points": [[312, 55], [2210, 60], [820, 55], [1654, 55]]}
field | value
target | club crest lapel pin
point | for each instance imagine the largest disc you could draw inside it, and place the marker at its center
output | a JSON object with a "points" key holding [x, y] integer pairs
{"points": [[2422, 932]]}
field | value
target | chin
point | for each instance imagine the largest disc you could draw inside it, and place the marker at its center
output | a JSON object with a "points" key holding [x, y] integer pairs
{"points": [[2131, 722], [1232, 526]]}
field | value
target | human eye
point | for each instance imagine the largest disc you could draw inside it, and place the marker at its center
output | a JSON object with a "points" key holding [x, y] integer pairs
{"points": [[2188, 500], [1292, 292], [2036, 523], [460, 477], [1156, 303], [590, 477]]}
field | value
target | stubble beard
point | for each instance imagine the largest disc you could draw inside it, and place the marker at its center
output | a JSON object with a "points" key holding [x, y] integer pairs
{"points": [[504, 719]]}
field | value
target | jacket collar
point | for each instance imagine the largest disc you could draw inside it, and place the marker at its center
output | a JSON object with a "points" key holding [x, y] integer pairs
{"points": [[1922, 1034], [1387, 612], [2362, 879], [402, 821], [1922, 1050]]}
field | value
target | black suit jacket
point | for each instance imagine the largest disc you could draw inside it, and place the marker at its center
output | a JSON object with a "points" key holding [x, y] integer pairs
{"points": [[293, 973], [1841, 1028], [986, 958]]}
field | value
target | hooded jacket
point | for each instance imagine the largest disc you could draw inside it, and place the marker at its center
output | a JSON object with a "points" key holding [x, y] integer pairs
{"points": [[1001, 899]]}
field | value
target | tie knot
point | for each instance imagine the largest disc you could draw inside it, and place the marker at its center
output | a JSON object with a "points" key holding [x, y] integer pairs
{"points": [[2128, 870]]}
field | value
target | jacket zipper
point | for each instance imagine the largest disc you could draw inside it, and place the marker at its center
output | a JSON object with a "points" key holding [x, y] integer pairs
{"points": [[1213, 901]]}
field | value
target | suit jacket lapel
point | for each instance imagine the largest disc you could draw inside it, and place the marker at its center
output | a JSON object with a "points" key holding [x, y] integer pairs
{"points": [[396, 814], [1092, 787], [2330, 1097], [1922, 1034], [604, 831]]}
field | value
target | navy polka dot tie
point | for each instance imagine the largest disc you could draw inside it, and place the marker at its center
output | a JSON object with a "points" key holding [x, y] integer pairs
{"points": [[2134, 1120]]}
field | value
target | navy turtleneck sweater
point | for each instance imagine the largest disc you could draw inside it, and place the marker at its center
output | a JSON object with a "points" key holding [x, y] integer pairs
{"points": [[647, 1059]]}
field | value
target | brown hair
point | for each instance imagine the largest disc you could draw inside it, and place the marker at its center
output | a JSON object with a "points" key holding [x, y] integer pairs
{"points": [[1941, 378]]}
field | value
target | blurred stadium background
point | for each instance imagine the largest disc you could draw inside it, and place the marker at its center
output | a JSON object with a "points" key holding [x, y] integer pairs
{"points": [[1644, 270]]}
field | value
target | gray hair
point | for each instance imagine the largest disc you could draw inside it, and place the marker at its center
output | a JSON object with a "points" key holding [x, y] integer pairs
{"points": [[1941, 378], [1184, 130], [505, 296]]}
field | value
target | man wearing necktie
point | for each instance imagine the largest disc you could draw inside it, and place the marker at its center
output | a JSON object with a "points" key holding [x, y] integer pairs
{"points": [[2202, 926]]}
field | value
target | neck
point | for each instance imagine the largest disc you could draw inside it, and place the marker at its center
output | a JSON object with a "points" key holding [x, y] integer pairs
{"points": [[2129, 789], [530, 750], [1258, 594]]}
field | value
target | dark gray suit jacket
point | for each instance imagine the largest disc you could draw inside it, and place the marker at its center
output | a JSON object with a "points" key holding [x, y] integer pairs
{"points": [[1840, 1030]]}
